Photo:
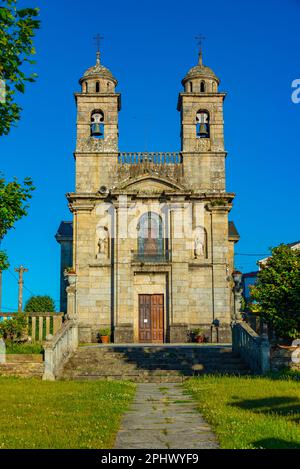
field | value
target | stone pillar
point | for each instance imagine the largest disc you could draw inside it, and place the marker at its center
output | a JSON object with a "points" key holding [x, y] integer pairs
{"points": [[49, 360], [75, 335], [178, 333], [264, 354], [71, 302], [237, 303]]}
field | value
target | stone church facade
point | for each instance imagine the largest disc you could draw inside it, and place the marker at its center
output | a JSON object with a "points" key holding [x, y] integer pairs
{"points": [[152, 248]]}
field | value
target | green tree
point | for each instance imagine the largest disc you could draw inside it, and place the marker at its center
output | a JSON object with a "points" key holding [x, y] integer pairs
{"points": [[13, 206], [17, 30], [4, 263], [40, 304], [276, 294]]}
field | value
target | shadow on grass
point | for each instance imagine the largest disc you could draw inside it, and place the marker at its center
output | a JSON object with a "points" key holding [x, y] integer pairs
{"points": [[281, 406], [275, 443], [285, 374]]}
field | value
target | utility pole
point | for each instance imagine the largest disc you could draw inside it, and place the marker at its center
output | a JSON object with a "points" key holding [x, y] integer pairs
{"points": [[20, 270]]}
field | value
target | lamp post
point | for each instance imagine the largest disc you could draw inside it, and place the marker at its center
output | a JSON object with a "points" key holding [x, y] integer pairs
{"points": [[237, 293]]}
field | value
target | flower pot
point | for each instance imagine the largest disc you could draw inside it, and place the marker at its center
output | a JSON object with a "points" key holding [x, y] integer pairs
{"points": [[104, 339], [200, 339], [70, 277]]}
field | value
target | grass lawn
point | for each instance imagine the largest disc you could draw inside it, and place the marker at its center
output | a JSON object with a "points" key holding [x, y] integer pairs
{"points": [[61, 414], [250, 412]]}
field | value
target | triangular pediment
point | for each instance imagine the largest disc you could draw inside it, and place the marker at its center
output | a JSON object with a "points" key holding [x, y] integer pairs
{"points": [[150, 183]]}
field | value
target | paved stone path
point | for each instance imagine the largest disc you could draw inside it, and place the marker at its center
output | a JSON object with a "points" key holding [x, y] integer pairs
{"points": [[163, 417]]}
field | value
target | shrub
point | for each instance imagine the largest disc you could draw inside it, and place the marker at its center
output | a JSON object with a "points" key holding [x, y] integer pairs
{"points": [[14, 329], [40, 304], [15, 348], [103, 332]]}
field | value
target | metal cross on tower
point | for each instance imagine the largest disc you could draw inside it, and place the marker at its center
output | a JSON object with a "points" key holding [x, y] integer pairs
{"points": [[200, 40], [97, 40]]}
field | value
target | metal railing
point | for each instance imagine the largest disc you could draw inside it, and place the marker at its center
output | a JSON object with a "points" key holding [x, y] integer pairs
{"points": [[160, 158], [254, 349], [151, 257]]}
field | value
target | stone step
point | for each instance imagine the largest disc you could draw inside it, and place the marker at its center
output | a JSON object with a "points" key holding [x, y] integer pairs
{"points": [[145, 378], [105, 355], [166, 367], [151, 352], [151, 364], [156, 360]]}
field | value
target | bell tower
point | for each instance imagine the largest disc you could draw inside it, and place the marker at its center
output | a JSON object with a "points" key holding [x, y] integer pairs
{"points": [[202, 129], [96, 152]]}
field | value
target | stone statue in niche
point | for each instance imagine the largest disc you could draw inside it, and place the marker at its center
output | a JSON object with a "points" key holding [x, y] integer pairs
{"points": [[199, 242], [102, 232]]}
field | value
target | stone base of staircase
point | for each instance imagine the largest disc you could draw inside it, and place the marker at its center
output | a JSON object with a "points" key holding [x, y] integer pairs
{"points": [[150, 363], [25, 366]]}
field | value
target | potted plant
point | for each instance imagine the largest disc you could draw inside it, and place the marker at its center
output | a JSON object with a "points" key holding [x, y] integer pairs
{"points": [[104, 335], [198, 335]]}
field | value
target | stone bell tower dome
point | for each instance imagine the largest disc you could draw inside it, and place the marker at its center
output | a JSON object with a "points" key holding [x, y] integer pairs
{"points": [[200, 79], [98, 79]]}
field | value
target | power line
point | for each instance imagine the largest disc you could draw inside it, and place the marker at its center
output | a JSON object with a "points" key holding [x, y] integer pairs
{"points": [[31, 292], [13, 275], [26, 288], [248, 254]]}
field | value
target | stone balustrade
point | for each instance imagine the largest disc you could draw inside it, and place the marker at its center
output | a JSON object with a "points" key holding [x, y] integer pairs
{"points": [[58, 348], [254, 349], [150, 157], [162, 165], [39, 324]]}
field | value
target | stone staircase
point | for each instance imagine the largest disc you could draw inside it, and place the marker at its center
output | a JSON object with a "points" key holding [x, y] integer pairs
{"points": [[142, 363]]}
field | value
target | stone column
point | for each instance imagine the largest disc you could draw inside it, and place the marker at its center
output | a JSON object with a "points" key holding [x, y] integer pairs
{"points": [[71, 302], [49, 360], [264, 354], [237, 303]]}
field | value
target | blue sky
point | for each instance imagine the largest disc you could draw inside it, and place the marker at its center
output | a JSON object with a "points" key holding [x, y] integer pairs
{"points": [[253, 46]]}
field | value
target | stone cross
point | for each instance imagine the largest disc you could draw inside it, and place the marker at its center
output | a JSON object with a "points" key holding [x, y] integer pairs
{"points": [[20, 270]]}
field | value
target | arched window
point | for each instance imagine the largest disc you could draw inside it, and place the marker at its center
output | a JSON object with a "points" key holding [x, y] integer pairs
{"points": [[202, 124], [191, 87], [97, 86], [108, 86], [97, 124], [150, 236], [202, 87], [86, 87]]}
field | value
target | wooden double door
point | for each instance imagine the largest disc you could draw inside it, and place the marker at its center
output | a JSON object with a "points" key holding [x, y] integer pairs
{"points": [[151, 318]]}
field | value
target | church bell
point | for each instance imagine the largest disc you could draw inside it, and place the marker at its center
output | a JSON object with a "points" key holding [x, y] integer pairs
{"points": [[96, 130], [203, 130]]}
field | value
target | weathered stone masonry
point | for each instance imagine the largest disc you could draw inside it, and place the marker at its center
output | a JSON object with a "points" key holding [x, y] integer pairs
{"points": [[151, 228]]}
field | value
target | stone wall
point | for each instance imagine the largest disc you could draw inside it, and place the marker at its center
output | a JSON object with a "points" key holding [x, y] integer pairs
{"points": [[284, 357], [23, 365]]}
